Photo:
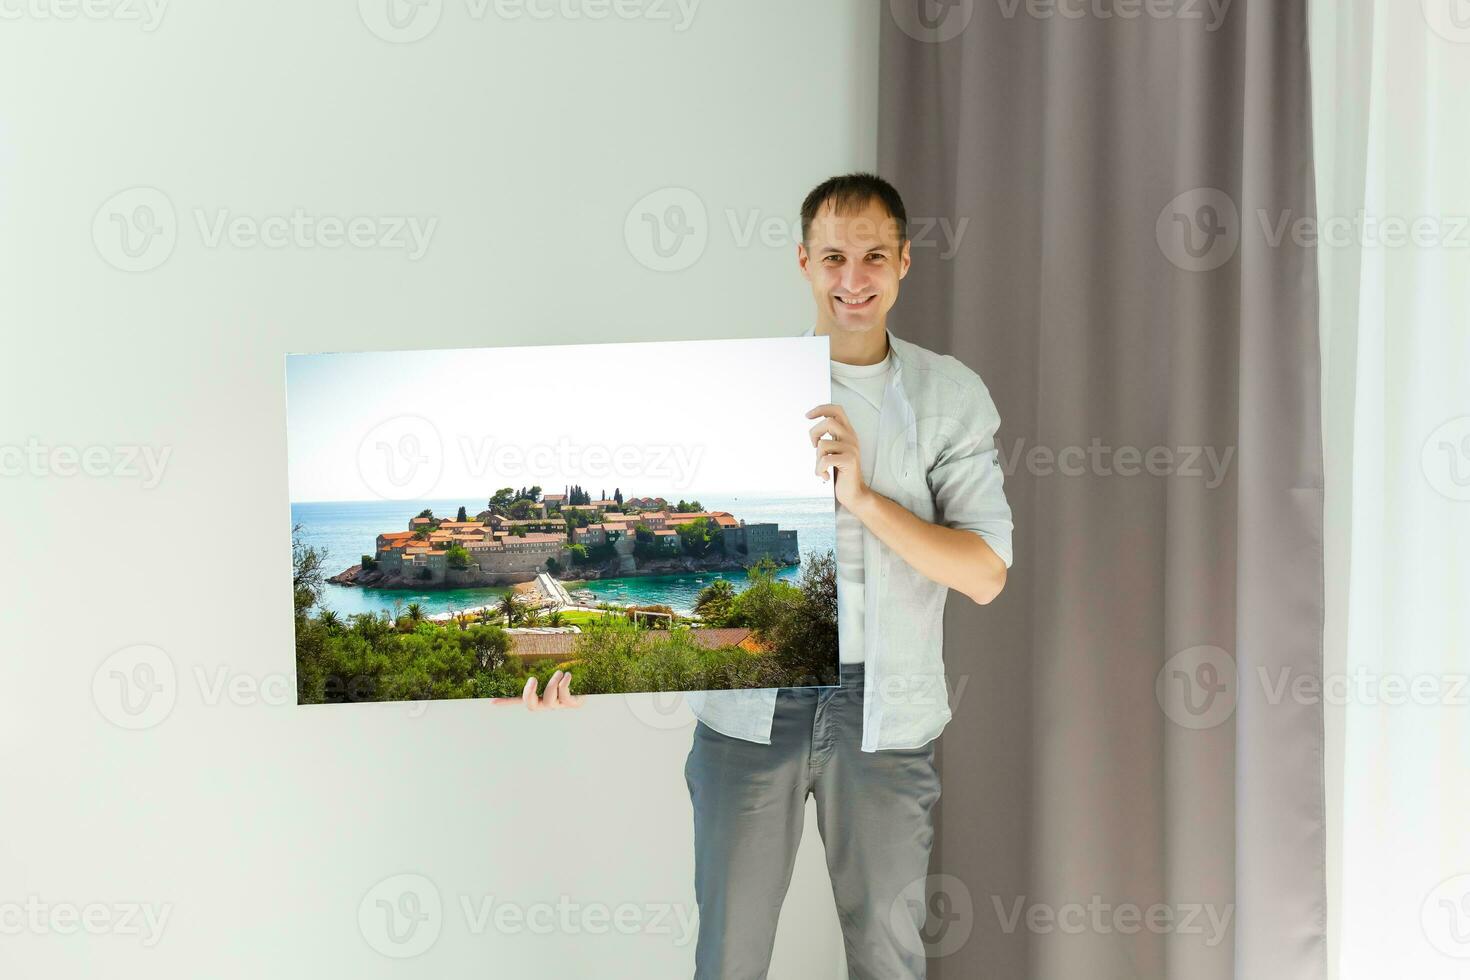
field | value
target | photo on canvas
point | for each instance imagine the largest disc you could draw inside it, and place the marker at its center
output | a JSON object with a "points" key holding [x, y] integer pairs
{"points": [[646, 516]]}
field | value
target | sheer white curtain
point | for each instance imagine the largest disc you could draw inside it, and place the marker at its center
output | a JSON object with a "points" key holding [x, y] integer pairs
{"points": [[1392, 103]]}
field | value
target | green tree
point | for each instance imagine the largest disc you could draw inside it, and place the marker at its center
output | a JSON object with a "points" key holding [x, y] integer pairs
{"points": [[700, 536], [457, 556], [804, 635], [510, 608], [715, 601], [306, 573], [461, 516]]}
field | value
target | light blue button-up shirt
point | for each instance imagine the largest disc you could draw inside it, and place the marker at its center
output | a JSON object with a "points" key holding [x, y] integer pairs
{"points": [[936, 456]]}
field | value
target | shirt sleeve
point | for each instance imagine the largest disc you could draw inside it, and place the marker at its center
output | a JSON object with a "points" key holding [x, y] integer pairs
{"points": [[966, 478]]}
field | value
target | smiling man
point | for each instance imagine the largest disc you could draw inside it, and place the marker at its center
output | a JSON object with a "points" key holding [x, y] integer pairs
{"points": [[910, 443]]}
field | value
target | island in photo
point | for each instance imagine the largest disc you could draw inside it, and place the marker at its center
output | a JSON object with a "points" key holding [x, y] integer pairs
{"points": [[465, 594]]}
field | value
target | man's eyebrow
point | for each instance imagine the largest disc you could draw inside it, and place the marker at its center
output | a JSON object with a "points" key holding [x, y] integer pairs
{"points": [[834, 250]]}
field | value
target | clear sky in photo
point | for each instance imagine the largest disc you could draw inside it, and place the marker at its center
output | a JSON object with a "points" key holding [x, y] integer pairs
{"points": [[670, 418]]}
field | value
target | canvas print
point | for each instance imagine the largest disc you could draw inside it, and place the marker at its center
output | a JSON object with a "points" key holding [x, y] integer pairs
{"points": [[646, 516]]}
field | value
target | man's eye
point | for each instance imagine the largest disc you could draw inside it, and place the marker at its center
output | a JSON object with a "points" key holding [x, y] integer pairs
{"points": [[834, 258], [877, 256]]}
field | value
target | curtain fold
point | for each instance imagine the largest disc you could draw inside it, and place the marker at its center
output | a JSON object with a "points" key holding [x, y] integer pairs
{"points": [[1395, 273], [1126, 792]]}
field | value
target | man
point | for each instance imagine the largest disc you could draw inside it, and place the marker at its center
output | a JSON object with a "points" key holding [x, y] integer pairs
{"points": [[910, 442]]}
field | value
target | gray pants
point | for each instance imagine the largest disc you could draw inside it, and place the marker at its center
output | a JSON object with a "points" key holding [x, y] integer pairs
{"points": [[875, 814]]}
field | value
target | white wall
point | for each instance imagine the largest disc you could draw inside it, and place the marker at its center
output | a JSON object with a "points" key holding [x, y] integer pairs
{"points": [[262, 826]]}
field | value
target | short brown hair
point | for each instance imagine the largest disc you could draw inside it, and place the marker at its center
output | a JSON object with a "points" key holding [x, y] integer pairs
{"points": [[850, 192]]}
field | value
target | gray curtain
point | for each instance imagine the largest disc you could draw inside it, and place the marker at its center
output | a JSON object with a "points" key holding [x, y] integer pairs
{"points": [[1122, 739]]}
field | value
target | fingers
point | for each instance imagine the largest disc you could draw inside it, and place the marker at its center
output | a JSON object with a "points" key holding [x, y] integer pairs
{"points": [[836, 426], [829, 410], [548, 697], [558, 693], [841, 458], [564, 695]]}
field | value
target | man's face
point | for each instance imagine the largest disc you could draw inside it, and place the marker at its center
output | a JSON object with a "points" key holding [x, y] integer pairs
{"points": [[854, 262]]}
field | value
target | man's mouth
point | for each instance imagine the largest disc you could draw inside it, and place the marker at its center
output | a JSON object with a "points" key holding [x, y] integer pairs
{"points": [[857, 302]]}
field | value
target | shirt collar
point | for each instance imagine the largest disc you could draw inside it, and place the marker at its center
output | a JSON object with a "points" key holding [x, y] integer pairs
{"points": [[895, 344]]}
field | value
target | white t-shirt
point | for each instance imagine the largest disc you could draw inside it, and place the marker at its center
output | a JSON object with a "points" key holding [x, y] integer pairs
{"points": [[859, 390]]}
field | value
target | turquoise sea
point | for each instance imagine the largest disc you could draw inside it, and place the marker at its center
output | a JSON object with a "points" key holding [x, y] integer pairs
{"points": [[347, 530]]}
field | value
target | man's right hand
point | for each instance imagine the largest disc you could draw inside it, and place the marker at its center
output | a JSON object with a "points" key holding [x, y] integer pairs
{"points": [[558, 694]]}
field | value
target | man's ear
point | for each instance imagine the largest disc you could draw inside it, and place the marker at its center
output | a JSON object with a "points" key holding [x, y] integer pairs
{"points": [[905, 259], [803, 260]]}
